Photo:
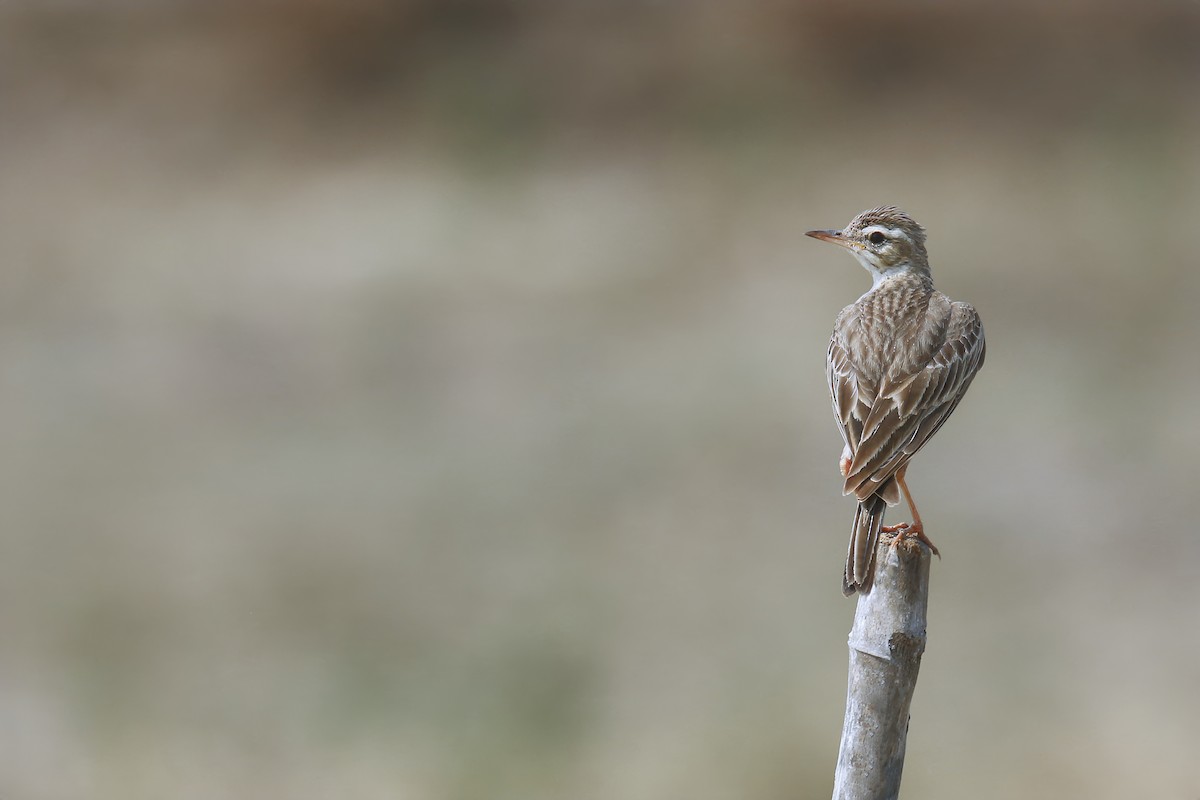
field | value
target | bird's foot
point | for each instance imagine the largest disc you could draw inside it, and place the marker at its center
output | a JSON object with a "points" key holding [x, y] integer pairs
{"points": [[908, 530]]}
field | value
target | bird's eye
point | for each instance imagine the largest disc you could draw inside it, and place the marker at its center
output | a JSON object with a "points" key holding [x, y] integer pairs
{"points": [[876, 238]]}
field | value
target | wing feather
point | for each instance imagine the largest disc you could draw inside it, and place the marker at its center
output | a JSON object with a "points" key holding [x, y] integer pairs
{"points": [[843, 390], [885, 430]]}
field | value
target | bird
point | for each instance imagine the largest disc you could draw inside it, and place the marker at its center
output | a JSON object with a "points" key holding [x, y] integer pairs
{"points": [[900, 360]]}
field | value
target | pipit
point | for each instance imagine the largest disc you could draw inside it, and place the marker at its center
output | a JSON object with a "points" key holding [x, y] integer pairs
{"points": [[900, 360]]}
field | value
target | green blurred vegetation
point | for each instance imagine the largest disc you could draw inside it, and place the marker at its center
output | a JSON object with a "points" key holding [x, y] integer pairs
{"points": [[426, 400]]}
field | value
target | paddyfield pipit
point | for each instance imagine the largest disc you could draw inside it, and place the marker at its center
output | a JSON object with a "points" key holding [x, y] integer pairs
{"points": [[900, 360]]}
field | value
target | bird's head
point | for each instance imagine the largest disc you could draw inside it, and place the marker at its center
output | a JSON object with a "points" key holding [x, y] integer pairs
{"points": [[885, 240]]}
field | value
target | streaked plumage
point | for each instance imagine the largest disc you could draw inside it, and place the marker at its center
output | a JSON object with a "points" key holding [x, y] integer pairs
{"points": [[900, 360]]}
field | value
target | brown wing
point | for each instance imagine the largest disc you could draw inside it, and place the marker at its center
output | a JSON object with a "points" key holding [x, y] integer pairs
{"points": [[844, 390], [885, 425]]}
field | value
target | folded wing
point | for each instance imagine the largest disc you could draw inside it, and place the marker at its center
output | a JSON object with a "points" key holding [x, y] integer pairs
{"points": [[885, 423]]}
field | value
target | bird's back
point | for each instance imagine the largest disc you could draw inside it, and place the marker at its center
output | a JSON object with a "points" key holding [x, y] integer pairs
{"points": [[893, 330]]}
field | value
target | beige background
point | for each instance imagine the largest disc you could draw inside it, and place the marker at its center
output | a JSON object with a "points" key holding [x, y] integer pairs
{"points": [[428, 402]]}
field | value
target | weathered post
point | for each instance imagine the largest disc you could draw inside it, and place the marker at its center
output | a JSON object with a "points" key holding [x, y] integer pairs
{"points": [[886, 644]]}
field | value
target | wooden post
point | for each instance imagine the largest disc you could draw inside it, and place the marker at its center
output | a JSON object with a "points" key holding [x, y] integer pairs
{"points": [[886, 644]]}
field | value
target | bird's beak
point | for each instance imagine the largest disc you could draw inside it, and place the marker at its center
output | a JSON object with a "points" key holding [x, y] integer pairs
{"points": [[833, 237]]}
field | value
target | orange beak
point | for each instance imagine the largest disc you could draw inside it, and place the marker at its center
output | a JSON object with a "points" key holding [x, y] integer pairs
{"points": [[833, 237]]}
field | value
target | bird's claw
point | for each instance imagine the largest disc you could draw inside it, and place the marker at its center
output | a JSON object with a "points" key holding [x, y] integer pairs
{"points": [[907, 530]]}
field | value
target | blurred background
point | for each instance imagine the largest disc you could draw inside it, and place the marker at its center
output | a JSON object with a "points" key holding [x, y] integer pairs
{"points": [[426, 400]]}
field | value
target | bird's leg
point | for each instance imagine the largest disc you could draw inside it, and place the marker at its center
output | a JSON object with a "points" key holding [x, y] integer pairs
{"points": [[915, 528]]}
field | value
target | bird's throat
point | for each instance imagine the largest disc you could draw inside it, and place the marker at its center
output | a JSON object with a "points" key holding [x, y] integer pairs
{"points": [[881, 274]]}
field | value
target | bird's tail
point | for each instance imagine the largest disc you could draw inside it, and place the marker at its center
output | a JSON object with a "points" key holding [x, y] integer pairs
{"points": [[860, 560]]}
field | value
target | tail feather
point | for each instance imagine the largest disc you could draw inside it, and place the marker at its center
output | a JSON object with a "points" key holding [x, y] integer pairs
{"points": [[864, 535]]}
